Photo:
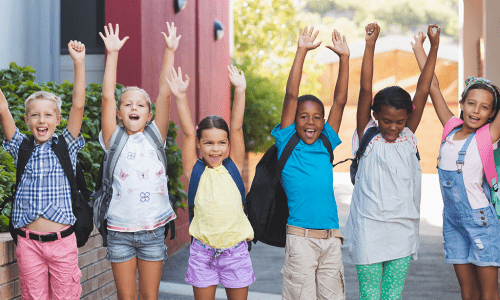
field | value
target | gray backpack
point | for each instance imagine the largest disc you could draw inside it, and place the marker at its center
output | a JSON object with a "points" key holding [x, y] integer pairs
{"points": [[104, 184]]}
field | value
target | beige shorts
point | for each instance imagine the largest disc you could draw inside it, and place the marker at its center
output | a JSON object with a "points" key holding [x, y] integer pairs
{"points": [[313, 267]]}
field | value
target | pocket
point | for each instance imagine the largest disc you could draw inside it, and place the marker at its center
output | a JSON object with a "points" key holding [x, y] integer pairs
{"points": [[158, 233], [483, 217], [113, 235], [449, 189], [296, 285], [76, 288]]}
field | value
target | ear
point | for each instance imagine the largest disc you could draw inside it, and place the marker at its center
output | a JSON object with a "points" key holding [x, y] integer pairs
{"points": [[26, 118], [461, 104], [150, 116], [492, 114], [59, 118], [118, 114], [375, 116], [198, 144], [323, 125]]}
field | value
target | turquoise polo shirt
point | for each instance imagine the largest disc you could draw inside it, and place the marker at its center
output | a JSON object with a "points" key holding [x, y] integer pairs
{"points": [[308, 180]]}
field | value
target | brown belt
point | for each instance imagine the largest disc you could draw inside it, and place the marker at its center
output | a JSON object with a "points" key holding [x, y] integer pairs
{"points": [[314, 233]]}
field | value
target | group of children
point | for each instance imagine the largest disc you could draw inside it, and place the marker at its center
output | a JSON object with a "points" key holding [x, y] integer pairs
{"points": [[381, 233]]}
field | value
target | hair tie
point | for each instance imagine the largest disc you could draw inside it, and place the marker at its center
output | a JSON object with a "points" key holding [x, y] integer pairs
{"points": [[196, 128], [471, 80], [413, 107]]}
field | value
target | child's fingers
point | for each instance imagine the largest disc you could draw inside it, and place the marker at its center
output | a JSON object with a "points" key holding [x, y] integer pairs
{"points": [[168, 27], [315, 35], [179, 37], [111, 29], [311, 31], [179, 73], [305, 31], [343, 39], [102, 36], [174, 74], [106, 30], [187, 80], [117, 30], [124, 40]]}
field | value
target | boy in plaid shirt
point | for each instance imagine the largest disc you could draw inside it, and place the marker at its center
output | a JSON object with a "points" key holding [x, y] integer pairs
{"points": [[41, 214]]}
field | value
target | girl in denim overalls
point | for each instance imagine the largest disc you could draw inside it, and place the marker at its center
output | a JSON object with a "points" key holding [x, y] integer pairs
{"points": [[471, 229]]}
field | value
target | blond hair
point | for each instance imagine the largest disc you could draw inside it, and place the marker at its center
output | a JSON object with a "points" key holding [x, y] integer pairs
{"points": [[42, 95], [134, 88]]}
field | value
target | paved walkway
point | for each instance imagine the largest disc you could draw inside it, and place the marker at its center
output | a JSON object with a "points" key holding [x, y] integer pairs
{"points": [[428, 278]]}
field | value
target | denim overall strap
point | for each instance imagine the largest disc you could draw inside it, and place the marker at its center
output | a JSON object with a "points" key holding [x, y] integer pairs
{"points": [[461, 153], [444, 140]]}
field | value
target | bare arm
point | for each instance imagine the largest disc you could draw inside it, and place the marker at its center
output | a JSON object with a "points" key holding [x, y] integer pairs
{"points": [[306, 43], [340, 95], [363, 114], [77, 52], [163, 101], [237, 141], [442, 110], [424, 80], [6, 119], [179, 89], [108, 115]]}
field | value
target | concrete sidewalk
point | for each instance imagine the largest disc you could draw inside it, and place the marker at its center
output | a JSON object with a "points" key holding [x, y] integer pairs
{"points": [[428, 278]]}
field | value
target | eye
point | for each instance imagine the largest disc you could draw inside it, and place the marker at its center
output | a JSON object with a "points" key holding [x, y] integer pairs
{"points": [[317, 118], [223, 142]]}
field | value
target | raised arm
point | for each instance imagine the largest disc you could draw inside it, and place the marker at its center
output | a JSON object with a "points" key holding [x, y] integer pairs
{"points": [[77, 52], [340, 95], [442, 110], [108, 116], [424, 80], [363, 114], [237, 141], [306, 43], [163, 101], [179, 89], [6, 119]]}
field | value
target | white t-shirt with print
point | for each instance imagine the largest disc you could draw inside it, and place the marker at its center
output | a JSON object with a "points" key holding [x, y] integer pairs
{"points": [[140, 196]]}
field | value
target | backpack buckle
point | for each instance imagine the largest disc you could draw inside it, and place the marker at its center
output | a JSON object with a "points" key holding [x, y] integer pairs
{"points": [[460, 164]]}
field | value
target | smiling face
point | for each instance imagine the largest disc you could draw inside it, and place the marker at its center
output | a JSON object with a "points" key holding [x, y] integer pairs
{"points": [[134, 111], [213, 145], [391, 121], [42, 118], [477, 108], [309, 121]]}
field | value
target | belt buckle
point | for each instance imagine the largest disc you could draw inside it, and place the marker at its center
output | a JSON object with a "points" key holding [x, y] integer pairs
{"points": [[40, 238]]}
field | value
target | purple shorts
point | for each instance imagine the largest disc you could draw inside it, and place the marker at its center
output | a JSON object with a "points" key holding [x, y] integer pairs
{"points": [[232, 266]]}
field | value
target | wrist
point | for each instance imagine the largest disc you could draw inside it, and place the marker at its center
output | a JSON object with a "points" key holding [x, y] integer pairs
{"points": [[181, 97], [79, 61], [370, 44], [169, 50], [240, 89], [344, 56]]}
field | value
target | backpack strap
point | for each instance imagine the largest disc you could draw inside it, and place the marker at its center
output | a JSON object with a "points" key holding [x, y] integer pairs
{"points": [[198, 169], [451, 124], [328, 146], [294, 140], [485, 147], [116, 144], [365, 140], [235, 174], [156, 141], [61, 151]]}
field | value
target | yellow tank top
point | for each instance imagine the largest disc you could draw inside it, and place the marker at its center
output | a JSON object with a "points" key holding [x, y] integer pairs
{"points": [[219, 220]]}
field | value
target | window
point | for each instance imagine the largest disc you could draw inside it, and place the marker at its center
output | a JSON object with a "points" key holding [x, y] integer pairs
{"points": [[82, 20]]}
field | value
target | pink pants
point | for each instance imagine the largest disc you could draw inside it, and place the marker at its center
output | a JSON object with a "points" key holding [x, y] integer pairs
{"points": [[48, 270]]}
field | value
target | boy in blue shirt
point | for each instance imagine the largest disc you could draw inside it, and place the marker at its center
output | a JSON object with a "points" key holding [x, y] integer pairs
{"points": [[42, 211], [313, 264]]}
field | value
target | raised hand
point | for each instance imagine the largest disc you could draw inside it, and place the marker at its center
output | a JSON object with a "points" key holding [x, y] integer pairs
{"points": [[172, 40], [434, 37], [112, 41], [177, 85], [339, 44], [419, 40], [76, 50], [306, 39], [237, 79], [372, 32]]}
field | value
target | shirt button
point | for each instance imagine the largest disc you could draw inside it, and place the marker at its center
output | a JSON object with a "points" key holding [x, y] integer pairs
{"points": [[484, 223], [482, 218], [481, 211], [448, 183]]}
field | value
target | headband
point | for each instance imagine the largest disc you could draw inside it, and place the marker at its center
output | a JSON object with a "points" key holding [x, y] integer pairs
{"points": [[471, 80]]}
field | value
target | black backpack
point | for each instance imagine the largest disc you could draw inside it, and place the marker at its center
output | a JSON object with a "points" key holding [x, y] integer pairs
{"points": [[80, 195], [267, 203]]}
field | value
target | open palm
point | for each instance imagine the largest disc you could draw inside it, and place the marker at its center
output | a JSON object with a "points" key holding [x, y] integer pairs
{"points": [[111, 40], [177, 85], [306, 39]]}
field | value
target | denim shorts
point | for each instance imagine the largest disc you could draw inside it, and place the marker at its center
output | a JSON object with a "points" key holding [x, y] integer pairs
{"points": [[146, 245], [232, 266]]}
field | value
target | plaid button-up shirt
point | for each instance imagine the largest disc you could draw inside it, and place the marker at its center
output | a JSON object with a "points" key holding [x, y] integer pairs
{"points": [[44, 190]]}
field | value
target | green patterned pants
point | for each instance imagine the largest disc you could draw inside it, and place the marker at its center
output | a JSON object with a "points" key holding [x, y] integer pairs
{"points": [[391, 274]]}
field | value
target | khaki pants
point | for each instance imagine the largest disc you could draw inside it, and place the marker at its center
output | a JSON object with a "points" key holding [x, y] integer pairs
{"points": [[313, 269]]}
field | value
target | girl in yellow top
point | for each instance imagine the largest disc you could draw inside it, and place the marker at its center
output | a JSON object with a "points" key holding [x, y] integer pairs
{"points": [[220, 229]]}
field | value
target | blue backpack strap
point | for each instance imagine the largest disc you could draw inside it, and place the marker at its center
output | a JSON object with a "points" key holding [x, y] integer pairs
{"points": [[198, 170], [235, 174]]}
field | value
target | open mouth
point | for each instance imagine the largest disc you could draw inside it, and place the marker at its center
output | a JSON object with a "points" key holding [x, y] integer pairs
{"points": [[134, 117], [473, 119], [309, 133], [42, 130], [215, 158]]}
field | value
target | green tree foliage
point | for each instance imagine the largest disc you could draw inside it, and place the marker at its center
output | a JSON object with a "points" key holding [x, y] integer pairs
{"points": [[17, 83]]}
